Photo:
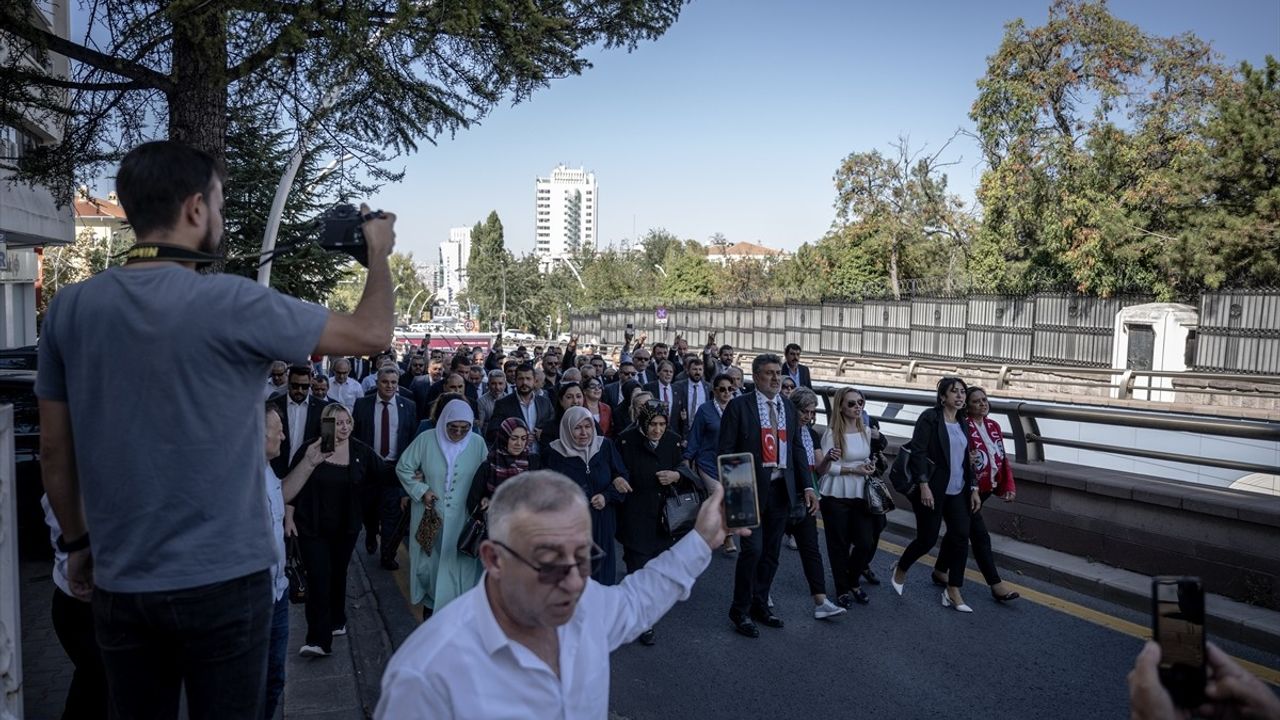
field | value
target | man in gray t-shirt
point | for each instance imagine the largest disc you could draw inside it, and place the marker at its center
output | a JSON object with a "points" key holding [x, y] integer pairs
{"points": [[166, 476]]}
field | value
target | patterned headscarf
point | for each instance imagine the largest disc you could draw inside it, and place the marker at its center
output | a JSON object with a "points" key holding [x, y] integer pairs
{"points": [[566, 445], [505, 465]]}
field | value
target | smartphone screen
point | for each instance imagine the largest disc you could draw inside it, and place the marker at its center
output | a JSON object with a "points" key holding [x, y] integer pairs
{"points": [[738, 473], [328, 426], [1177, 615]]}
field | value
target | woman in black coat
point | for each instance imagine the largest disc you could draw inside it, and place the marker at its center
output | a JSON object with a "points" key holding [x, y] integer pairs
{"points": [[651, 454], [941, 442]]}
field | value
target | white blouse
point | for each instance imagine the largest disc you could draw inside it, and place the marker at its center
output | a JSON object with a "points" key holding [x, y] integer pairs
{"points": [[857, 448]]}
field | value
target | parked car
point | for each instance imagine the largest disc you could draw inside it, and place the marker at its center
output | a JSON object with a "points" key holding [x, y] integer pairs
{"points": [[21, 358], [17, 387]]}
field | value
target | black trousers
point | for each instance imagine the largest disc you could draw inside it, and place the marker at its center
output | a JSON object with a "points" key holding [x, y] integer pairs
{"points": [[325, 558], [73, 623], [806, 534], [758, 558], [955, 510], [852, 535], [210, 640], [980, 539]]}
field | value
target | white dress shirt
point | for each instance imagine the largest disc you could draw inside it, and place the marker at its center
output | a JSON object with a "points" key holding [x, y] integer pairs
{"points": [[297, 413], [394, 412], [460, 663], [346, 393], [696, 398], [275, 502], [666, 394]]}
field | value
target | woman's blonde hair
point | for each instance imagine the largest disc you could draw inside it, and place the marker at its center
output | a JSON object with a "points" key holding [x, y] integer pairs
{"points": [[839, 425], [333, 409]]}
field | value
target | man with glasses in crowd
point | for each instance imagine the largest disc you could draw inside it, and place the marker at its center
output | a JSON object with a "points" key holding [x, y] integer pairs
{"points": [[301, 413], [277, 385], [342, 386], [533, 638]]}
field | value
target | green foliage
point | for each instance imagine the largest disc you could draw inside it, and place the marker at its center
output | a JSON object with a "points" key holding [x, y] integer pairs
{"points": [[372, 77], [405, 280], [256, 159], [1086, 123], [1228, 199], [487, 270]]}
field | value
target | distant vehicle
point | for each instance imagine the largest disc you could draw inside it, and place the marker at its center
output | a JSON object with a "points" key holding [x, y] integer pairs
{"points": [[20, 358], [517, 335], [419, 327]]}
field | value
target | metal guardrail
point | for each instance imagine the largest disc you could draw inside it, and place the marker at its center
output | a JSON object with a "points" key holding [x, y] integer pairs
{"points": [[1263, 386], [1029, 442]]}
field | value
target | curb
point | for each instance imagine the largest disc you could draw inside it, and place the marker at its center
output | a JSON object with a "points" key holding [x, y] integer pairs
{"points": [[1253, 626], [380, 622]]}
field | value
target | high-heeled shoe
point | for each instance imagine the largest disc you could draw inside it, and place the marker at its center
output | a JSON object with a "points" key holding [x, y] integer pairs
{"points": [[1007, 597], [946, 603], [893, 579]]}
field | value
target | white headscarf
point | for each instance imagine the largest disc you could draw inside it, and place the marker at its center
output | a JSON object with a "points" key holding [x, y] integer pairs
{"points": [[455, 411], [566, 445]]}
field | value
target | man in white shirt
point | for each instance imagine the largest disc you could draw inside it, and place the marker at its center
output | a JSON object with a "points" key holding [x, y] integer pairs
{"points": [[533, 638], [342, 387], [276, 385]]}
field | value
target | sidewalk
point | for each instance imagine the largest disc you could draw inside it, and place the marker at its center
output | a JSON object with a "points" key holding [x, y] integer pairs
{"points": [[343, 686]]}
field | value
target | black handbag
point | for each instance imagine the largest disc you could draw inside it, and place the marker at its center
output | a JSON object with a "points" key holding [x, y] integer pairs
{"points": [[680, 509], [473, 533], [900, 474], [294, 571]]}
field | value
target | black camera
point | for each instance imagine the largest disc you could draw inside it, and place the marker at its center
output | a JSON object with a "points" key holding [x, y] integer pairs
{"points": [[340, 231]]}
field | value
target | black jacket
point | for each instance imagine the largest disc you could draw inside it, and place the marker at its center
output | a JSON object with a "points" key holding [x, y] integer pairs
{"points": [[484, 475], [311, 431], [740, 432], [364, 468], [930, 440], [640, 517]]}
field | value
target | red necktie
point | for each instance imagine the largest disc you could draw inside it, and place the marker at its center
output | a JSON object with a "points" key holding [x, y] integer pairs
{"points": [[386, 429]]}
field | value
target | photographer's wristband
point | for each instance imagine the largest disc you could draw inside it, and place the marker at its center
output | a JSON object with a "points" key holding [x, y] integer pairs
{"points": [[78, 544]]}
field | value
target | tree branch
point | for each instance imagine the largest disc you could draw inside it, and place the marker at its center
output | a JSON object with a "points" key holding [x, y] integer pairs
{"points": [[18, 26], [31, 78]]}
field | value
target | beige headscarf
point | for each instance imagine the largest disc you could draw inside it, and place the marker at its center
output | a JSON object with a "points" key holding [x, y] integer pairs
{"points": [[566, 445]]}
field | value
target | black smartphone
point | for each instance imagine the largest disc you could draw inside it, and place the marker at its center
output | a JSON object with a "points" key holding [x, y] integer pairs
{"points": [[1177, 622], [741, 504], [328, 428]]}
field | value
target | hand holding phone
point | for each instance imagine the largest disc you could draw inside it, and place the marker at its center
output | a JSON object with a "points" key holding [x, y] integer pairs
{"points": [[328, 434], [741, 504], [1177, 618]]}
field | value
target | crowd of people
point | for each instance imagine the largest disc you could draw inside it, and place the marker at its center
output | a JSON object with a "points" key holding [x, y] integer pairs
{"points": [[513, 479]]}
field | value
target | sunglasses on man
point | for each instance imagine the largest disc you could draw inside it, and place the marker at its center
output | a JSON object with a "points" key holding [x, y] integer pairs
{"points": [[555, 573]]}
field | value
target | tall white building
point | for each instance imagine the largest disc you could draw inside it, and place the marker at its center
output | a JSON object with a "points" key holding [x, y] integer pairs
{"points": [[567, 217], [454, 254]]}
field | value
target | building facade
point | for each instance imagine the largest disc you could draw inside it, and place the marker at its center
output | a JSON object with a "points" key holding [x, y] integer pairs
{"points": [[29, 217], [454, 254], [567, 217]]}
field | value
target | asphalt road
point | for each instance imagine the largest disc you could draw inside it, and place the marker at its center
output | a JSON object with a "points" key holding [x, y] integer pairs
{"points": [[898, 657]]}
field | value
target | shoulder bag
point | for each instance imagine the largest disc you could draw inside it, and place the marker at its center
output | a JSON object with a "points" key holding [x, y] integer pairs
{"points": [[473, 533], [879, 500], [901, 476], [294, 571]]}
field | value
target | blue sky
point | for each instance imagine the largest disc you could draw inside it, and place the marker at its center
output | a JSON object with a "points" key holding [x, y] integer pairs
{"points": [[736, 119]]}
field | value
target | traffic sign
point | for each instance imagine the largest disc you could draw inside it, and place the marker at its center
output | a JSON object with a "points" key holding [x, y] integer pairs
{"points": [[660, 315]]}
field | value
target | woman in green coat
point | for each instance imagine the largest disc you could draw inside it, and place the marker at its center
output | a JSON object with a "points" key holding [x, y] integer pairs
{"points": [[447, 458]]}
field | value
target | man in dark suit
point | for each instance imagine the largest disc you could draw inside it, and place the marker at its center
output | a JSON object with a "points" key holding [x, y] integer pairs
{"points": [[693, 391], [301, 413], [798, 373], [645, 372], [665, 392], [613, 391], [385, 421], [524, 403], [460, 365], [768, 427]]}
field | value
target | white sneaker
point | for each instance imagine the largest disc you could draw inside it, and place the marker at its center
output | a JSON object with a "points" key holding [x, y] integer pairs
{"points": [[827, 609], [791, 543], [312, 651], [340, 631], [770, 602]]}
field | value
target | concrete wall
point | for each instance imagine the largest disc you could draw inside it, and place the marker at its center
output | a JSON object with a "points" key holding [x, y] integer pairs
{"points": [[1155, 527]]}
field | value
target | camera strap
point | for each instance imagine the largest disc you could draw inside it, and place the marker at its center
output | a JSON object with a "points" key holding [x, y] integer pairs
{"points": [[153, 251]]}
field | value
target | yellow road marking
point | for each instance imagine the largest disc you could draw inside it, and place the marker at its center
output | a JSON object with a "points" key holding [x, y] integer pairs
{"points": [[1142, 632]]}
